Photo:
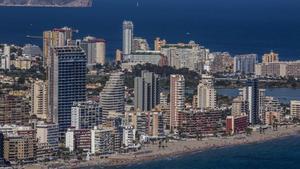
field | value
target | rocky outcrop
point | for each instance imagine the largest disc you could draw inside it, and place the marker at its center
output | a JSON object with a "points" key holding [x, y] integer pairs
{"points": [[47, 3]]}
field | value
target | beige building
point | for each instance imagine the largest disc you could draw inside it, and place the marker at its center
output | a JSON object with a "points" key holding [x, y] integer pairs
{"points": [[272, 117], [39, 99], [19, 146], [158, 43], [239, 106], [295, 108], [278, 69], [118, 56], [55, 38], [95, 50], [14, 110], [21, 63], [177, 98], [206, 93], [270, 57]]}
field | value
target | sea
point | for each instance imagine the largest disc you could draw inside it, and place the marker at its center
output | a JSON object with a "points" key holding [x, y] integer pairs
{"points": [[235, 26], [284, 95], [283, 153]]}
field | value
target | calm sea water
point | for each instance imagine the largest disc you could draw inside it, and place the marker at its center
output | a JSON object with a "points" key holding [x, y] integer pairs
{"points": [[237, 26], [285, 95], [276, 154]]}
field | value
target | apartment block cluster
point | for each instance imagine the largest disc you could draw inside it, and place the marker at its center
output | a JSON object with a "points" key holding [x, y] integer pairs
{"points": [[19, 57], [57, 111], [180, 55], [271, 66], [198, 58]]}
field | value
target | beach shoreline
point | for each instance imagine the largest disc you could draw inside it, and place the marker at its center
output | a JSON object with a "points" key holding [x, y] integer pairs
{"points": [[176, 149], [182, 148]]}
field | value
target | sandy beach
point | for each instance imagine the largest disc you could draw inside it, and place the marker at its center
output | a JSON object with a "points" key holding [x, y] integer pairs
{"points": [[175, 148]]}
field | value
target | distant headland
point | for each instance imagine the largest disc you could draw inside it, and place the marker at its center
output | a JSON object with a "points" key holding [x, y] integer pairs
{"points": [[47, 3]]}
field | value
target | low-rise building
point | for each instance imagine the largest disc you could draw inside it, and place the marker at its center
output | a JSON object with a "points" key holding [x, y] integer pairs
{"points": [[236, 124], [272, 117], [278, 69], [78, 140], [295, 108], [197, 122]]}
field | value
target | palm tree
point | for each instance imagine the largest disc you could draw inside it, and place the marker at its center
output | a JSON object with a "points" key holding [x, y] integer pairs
{"points": [[249, 131]]}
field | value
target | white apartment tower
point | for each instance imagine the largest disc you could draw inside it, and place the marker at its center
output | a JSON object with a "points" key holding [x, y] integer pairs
{"points": [[127, 37]]}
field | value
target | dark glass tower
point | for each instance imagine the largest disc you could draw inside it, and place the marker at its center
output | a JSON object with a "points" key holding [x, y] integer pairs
{"points": [[253, 100], [67, 80], [146, 91]]}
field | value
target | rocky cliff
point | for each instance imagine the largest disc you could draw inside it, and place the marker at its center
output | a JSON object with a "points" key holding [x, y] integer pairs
{"points": [[47, 3]]}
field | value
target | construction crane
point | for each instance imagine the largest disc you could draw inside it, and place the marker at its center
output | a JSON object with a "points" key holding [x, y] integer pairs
{"points": [[34, 37], [55, 29]]}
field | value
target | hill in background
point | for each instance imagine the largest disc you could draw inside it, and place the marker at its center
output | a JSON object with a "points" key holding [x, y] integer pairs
{"points": [[47, 3]]}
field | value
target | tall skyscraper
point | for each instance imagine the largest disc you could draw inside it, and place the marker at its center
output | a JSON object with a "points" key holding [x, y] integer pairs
{"points": [[112, 95], [127, 37], [39, 99], [206, 93], [245, 63], [55, 38], [253, 101], [94, 49], [177, 92], [261, 104], [67, 80], [5, 58], [146, 91]]}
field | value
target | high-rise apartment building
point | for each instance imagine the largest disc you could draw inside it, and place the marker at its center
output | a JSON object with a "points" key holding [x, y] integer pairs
{"points": [[239, 106], [177, 99], [146, 91], [94, 49], [47, 135], [67, 80], [112, 95], [163, 99], [5, 58], [270, 57], [253, 101], [181, 55], [206, 93], [127, 37], [39, 99], [139, 44], [55, 38], [86, 115], [14, 110], [245, 63]]}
